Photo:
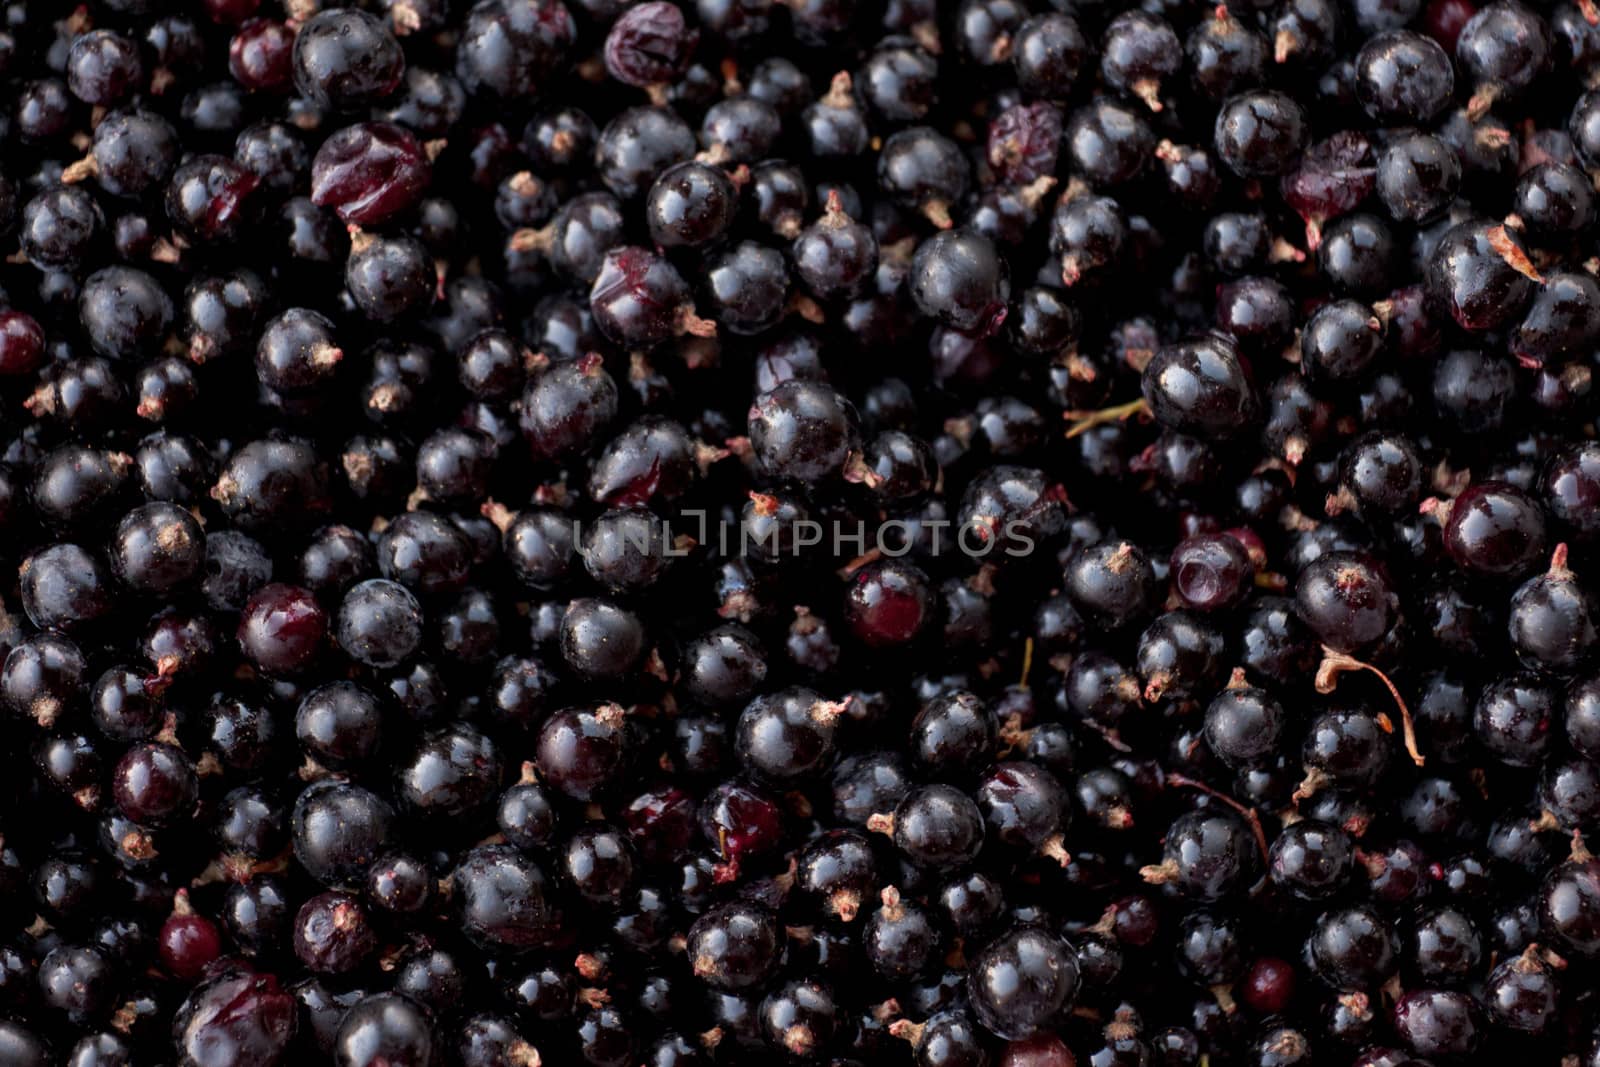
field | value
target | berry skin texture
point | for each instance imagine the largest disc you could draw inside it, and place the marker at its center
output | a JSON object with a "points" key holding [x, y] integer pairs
{"points": [[734, 946], [690, 204], [1550, 621], [1436, 1022], [331, 935], [799, 1018], [668, 533], [1403, 77], [1024, 141], [211, 198], [803, 431], [1201, 387], [835, 255], [155, 784], [1211, 572], [1495, 529], [1207, 856], [887, 603], [282, 628], [1113, 582], [239, 1010], [124, 312], [788, 735], [649, 45], [510, 47], [384, 1029], [379, 623], [1024, 805], [369, 172], [1258, 134], [580, 750], [958, 278], [1022, 982], [504, 902], [936, 826], [261, 56], [158, 548], [1269, 985], [346, 59], [188, 943], [1480, 273], [639, 299], [747, 287], [1346, 601], [1242, 726], [1569, 904], [21, 343], [103, 67]]}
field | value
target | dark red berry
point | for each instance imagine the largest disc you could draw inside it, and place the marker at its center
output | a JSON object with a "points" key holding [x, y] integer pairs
{"points": [[369, 172], [649, 44], [282, 628]]}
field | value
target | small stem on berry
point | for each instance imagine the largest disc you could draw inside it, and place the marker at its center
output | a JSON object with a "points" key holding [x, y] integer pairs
{"points": [[1055, 847], [906, 1030], [1160, 873], [694, 325], [1316, 779], [1284, 45], [1481, 101]]}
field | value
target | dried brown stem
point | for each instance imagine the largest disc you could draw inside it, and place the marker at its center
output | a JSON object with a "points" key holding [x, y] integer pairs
{"points": [[1337, 663], [1183, 781], [1081, 422]]}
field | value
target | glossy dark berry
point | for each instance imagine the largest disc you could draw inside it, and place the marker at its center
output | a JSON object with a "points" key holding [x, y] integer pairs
{"points": [[385, 1029], [1435, 1022], [1403, 77], [690, 204], [803, 431], [1346, 600], [1495, 529], [835, 255], [103, 67], [1201, 387], [734, 946], [787, 735], [936, 826], [958, 278], [1353, 947], [1259, 133], [746, 286], [1112, 582], [1479, 272], [1022, 982], [211, 198], [282, 628], [1417, 177], [154, 783], [346, 59], [63, 587], [923, 170]]}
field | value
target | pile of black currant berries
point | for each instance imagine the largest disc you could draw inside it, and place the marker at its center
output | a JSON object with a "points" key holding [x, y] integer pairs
{"points": [[853, 533]]}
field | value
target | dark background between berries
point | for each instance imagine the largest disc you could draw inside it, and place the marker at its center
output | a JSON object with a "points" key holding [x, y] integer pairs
{"points": [[424, 427]]}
